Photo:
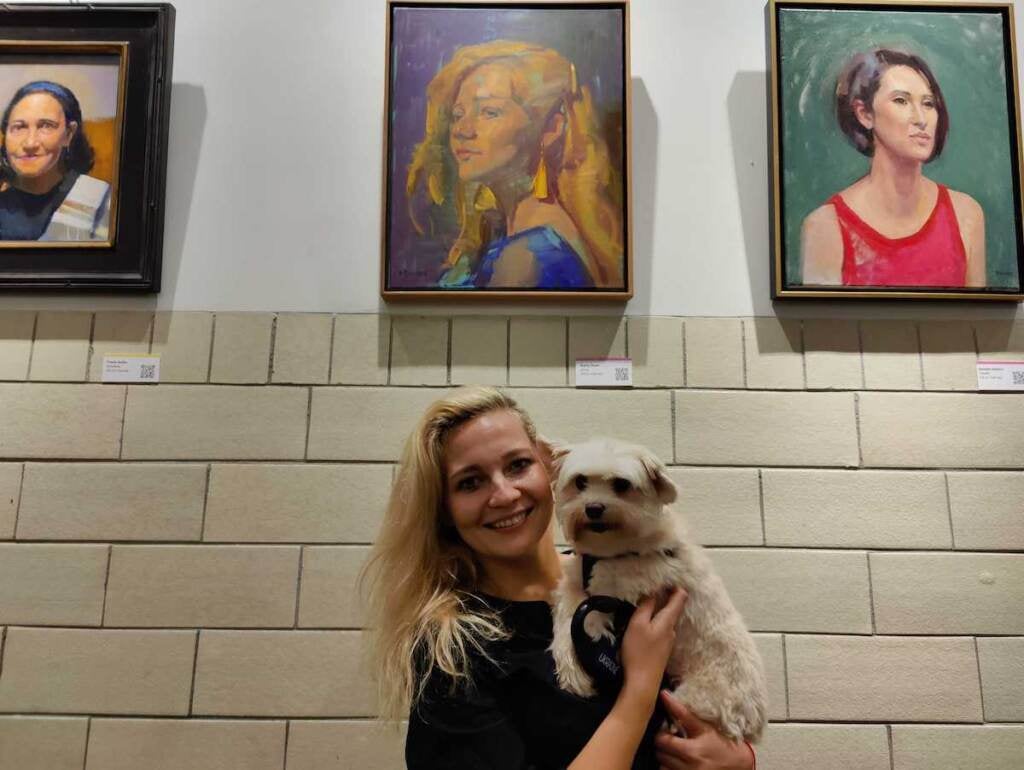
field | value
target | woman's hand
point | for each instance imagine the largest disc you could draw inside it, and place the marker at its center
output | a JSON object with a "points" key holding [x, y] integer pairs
{"points": [[648, 642], [703, 748]]}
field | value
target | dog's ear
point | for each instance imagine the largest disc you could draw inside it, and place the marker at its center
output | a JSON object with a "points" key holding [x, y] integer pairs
{"points": [[552, 452], [663, 485]]}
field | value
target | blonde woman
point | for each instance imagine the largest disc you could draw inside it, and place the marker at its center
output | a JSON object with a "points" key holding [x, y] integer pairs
{"points": [[460, 579], [513, 145]]}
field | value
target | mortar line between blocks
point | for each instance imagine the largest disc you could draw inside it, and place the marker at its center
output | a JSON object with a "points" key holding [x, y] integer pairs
{"points": [[508, 351], [106, 585], [391, 348], [206, 499], [273, 343], [195, 667], [448, 358], [32, 345], [298, 587], [981, 686], [85, 754], [330, 352], [152, 333], [871, 592], [892, 758], [124, 420], [89, 348], [566, 380], [856, 421], [672, 412], [949, 512], [760, 495], [213, 342], [17, 508], [284, 758], [686, 363], [3, 647], [785, 673], [309, 421]]}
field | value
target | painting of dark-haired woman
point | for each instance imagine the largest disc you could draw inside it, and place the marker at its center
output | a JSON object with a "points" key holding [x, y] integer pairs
{"points": [[898, 152], [57, 160]]}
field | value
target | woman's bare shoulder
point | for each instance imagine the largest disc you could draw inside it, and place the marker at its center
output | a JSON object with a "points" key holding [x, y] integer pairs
{"points": [[967, 208]]}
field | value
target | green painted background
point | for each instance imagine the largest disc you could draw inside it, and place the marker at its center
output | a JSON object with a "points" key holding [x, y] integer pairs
{"points": [[964, 51]]}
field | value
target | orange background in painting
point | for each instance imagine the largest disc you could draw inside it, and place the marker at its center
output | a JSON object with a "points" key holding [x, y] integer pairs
{"points": [[100, 134]]}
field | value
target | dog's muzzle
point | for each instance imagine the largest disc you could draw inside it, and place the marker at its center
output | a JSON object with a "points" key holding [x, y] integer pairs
{"points": [[594, 511]]}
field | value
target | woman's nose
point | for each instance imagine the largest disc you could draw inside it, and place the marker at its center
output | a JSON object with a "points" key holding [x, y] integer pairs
{"points": [[464, 128], [504, 492]]}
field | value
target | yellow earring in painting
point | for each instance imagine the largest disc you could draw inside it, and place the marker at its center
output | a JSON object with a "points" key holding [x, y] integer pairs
{"points": [[540, 181], [485, 200]]}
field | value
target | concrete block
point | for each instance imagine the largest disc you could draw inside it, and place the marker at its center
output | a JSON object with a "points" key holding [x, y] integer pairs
{"points": [[891, 355], [61, 421], [302, 348], [362, 345], [419, 350], [119, 333], [10, 494], [774, 353], [537, 351], [182, 340], [656, 347], [832, 354], [1001, 661], [847, 747], [957, 747], [60, 352], [714, 353], [338, 745], [112, 501], [948, 357], [721, 505], [774, 658], [190, 422], [479, 350], [16, 329], [328, 596], [241, 348], [987, 510], [1001, 340], [52, 585], [42, 743]]}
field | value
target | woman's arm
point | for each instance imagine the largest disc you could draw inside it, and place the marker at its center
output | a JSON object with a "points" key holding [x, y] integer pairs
{"points": [[970, 219], [645, 651], [821, 248]]}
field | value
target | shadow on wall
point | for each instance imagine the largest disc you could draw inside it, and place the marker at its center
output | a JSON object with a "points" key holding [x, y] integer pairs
{"points": [[644, 183], [748, 126], [188, 120]]}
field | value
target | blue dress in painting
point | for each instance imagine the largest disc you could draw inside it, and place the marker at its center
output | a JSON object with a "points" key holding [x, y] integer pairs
{"points": [[559, 266]]}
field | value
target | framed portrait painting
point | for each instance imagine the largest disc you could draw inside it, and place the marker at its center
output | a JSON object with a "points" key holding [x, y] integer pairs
{"points": [[506, 169], [84, 94], [896, 151]]}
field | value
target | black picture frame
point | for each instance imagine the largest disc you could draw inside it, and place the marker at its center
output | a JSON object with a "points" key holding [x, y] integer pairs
{"points": [[142, 36], [818, 48]]}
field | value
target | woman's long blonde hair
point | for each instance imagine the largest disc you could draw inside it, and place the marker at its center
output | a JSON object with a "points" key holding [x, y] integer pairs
{"points": [[417, 579], [579, 166]]}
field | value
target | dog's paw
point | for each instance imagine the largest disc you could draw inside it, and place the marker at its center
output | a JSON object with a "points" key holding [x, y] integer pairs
{"points": [[574, 680], [600, 625]]}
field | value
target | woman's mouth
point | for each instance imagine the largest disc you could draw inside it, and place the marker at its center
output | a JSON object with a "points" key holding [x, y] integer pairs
{"points": [[462, 154], [510, 521]]}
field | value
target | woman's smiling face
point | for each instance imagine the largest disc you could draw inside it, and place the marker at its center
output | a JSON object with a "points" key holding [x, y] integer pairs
{"points": [[489, 128], [904, 115], [497, 489], [37, 132]]}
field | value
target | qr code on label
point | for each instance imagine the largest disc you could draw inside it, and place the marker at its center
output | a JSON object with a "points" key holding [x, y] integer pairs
{"points": [[1018, 378], [622, 374], [147, 371]]}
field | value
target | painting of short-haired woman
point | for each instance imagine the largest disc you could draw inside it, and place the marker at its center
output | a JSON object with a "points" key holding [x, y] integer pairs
{"points": [[506, 158], [59, 150], [898, 146]]}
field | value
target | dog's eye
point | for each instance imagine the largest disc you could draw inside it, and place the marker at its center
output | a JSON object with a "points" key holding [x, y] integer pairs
{"points": [[621, 486], [581, 482]]}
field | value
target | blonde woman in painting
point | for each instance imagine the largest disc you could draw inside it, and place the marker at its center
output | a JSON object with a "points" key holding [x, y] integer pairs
{"points": [[894, 226], [512, 143]]}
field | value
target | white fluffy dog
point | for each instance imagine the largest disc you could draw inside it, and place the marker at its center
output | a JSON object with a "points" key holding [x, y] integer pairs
{"points": [[611, 499]]}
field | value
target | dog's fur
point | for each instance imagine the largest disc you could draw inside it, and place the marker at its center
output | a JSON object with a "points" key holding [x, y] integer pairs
{"points": [[644, 549]]}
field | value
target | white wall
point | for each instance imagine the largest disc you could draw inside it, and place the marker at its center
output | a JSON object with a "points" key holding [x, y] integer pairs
{"points": [[274, 190]]}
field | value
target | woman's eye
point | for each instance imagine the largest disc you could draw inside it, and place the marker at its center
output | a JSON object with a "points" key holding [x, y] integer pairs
{"points": [[581, 483], [468, 484], [621, 486], [491, 112], [900, 100], [520, 465]]}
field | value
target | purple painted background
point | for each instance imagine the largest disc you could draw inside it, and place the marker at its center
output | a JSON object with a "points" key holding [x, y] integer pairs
{"points": [[423, 41]]}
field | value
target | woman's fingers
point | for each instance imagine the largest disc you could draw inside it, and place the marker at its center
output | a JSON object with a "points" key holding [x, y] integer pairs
{"points": [[673, 609], [682, 716]]}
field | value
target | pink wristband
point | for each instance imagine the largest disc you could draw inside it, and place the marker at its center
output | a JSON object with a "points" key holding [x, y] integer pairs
{"points": [[752, 754]]}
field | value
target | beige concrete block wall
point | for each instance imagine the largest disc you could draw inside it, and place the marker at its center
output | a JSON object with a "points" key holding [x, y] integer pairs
{"points": [[177, 562]]}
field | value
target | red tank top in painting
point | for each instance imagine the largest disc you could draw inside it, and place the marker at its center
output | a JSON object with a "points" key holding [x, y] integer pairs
{"points": [[933, 256]]}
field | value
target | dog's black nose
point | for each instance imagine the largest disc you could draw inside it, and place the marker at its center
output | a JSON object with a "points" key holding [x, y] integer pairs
{"points": [[593, 510]]}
